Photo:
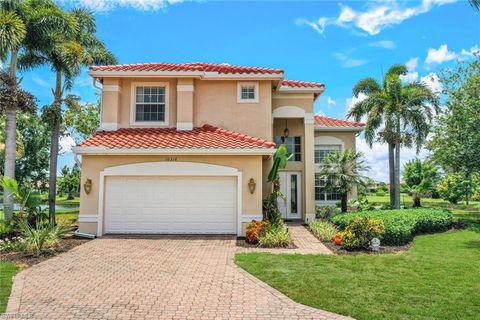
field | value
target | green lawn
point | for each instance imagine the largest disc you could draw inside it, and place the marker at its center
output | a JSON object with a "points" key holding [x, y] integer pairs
{"points": [[7, 271], [63, 201], [436, 279], [64, 216]]}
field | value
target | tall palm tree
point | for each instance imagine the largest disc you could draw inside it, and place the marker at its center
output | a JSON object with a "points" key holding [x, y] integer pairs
{"points": [[342, 172], [397, 114], [66, 54], [21, 22], [475, 4]]}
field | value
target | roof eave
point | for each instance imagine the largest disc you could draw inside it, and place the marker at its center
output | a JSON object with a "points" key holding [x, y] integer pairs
{"points": [[171, 151], [186, 74], [338, 128]]}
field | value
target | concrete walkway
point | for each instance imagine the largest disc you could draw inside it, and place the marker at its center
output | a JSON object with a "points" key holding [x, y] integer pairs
{"points": [[164, 277], [303, 239]]}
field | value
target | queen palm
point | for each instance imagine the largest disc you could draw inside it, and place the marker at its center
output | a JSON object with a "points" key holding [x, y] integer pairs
{"points": [[66, 54], [342, 172], [398, 114], [21, 23]]}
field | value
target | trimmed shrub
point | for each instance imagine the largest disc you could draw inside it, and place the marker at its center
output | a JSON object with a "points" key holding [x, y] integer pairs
{"points": [[323, 230], [325, 212], [276, 236], [256, 229], [360, 231], [380, 193], [402, 225]]}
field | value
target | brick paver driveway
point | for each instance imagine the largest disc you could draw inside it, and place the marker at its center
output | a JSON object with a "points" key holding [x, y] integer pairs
{"points": [[165, 277]]}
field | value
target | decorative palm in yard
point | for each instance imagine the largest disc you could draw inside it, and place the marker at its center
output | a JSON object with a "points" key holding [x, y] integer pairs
{"points": [[398, 114], [342, 172], [22, 23], [68, 50]]}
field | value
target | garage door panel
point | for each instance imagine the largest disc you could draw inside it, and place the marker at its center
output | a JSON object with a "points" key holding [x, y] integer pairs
{"points": [[170, 205]]}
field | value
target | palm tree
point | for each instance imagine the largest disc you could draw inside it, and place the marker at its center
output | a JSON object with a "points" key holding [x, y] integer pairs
{"points": [[475, 4], [342, 172], [66, 54], [397, 114], [21, 21]]}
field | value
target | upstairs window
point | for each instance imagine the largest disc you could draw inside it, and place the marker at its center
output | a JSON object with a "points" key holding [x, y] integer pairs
{"points": [[321, 151], [150, 104], [247, 92], [294, 146], [322, 194]]}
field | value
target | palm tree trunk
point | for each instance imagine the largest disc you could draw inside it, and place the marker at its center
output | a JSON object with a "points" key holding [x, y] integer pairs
{"points": [[397, 175], [344, 202], [391, 169], [10, 142], [52, 182]]}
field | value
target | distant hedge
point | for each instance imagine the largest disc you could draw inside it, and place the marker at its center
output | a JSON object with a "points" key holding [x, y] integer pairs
{"points": [[402, 225]]}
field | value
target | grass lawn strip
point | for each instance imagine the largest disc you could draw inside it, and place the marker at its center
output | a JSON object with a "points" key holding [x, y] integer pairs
{"points": [[7, 271]]}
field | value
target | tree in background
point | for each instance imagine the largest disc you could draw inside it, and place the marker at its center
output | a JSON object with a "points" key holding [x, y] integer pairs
{"points": [[397, 114], [454, 188], [68, 50], [455, 143], [22, 24], [475, 4], [69, 182], [420, 178], [82, 121], [342, 172]]}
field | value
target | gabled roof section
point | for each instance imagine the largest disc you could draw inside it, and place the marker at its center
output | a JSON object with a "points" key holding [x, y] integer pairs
{"points": [[327, 123], [199, 69], [206, 138]]}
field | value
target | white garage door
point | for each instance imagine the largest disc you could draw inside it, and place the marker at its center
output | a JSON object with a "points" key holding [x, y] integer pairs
{"points": [[142, 204]]}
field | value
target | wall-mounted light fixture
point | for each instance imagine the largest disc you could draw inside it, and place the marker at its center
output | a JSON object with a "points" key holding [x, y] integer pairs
{"points": [[286, 132], [87, 186], [252, 185]]}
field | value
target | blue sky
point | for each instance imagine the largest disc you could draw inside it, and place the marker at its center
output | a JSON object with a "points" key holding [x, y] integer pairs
{"points": [[325, 41]]}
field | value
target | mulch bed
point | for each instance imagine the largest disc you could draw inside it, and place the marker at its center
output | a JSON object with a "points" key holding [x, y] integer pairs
{"points": [[25, 260], [244, 244], [383, 249]]}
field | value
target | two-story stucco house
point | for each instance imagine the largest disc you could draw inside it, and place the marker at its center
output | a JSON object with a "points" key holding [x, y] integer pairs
{"points": [[186, 148]]}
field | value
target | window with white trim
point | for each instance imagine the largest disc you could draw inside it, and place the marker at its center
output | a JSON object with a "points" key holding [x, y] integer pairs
{"points": [[322, 194], [293, 144], [322, 150], [247, 92], [150, 104]]}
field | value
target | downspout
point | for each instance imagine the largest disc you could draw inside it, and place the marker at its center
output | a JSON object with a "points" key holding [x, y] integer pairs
{"points": [[83, 234]]}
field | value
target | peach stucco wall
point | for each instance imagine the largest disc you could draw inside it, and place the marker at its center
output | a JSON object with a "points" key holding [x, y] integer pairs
{"points": [[250, 166]]}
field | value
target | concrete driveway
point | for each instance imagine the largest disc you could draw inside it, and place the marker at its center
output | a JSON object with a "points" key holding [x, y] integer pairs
{"points": [[164, 277]]}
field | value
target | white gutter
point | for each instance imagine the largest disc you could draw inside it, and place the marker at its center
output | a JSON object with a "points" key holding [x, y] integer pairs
{"points": [[171, 151]]}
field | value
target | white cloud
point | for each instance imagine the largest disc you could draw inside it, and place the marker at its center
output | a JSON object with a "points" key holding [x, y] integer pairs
{"points": [[348, 62], [377, 158], [432, 80], [384, 44], [66, 143], [350, 102], [107, 5], [439, 55], [412, 74], [473, 51], [330, 101], [377, 16], [41, 82]]}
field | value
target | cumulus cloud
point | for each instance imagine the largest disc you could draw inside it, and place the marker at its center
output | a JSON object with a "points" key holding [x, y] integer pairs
{"points": [[442, 54], [348, 62], [107, 5], [384, 44], [432, 80], [330, 102], [377, 15], [66, 144], [473, 51], [377, 158], [412, 74]]}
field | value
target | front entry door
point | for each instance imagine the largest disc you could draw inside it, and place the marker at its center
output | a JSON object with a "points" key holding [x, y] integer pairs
{"points": [[290, 185]]}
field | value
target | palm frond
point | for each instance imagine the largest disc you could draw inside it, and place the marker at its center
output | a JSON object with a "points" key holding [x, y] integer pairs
{"points": [[475, 4], [366, 86], [12, 32]]}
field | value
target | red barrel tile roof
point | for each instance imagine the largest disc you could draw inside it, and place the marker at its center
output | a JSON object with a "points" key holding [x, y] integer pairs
{"points": [[301, 84], [206, 137], [194, 66], [333, 122]]}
